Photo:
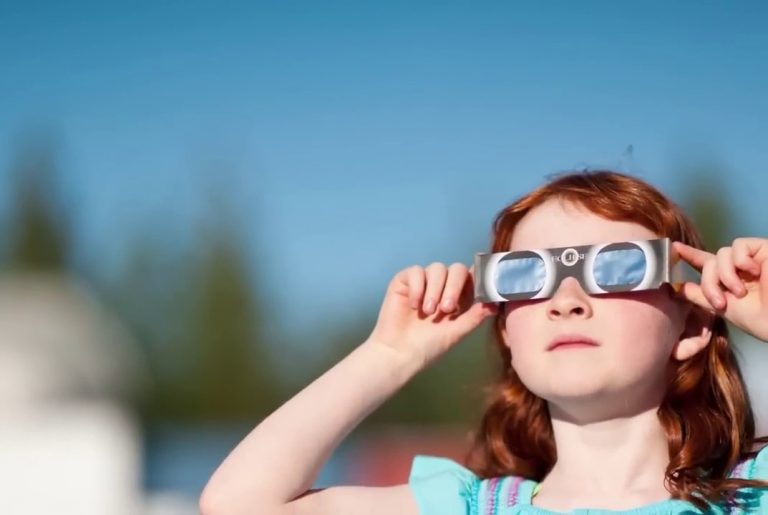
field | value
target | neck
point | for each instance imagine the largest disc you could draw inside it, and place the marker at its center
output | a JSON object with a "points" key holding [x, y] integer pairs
{"points": [[608, 457]]}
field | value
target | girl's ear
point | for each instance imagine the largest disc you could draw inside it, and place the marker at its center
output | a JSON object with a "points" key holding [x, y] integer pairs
{"points": [[696, 334]]}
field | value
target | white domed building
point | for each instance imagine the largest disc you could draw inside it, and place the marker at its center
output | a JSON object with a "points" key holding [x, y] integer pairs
{"points": [[68, 440]]}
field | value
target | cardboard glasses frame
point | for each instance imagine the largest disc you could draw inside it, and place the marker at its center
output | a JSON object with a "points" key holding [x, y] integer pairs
{"points": [[603, 268]]}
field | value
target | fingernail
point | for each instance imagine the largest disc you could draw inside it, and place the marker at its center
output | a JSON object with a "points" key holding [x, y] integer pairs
{"points": [[429, 306], [448, 305]]}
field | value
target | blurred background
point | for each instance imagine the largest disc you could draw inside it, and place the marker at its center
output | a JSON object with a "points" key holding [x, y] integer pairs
{"points": [[202, 205]]}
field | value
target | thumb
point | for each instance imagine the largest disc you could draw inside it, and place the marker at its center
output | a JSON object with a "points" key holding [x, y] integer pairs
{"points": [[475, 315]]}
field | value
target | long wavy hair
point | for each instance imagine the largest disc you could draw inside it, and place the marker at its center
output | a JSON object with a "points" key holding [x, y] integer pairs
{"points": [[705, 413]]}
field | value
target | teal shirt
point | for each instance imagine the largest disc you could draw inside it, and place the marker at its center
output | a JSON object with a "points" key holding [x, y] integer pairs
{"points": [[443, 487]]}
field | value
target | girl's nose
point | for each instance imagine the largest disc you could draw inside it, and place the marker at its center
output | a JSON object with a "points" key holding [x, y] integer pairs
{"points": [[569, 301]]}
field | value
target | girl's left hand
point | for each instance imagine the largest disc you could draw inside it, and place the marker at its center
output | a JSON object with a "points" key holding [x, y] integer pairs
{"points": [[734, 282]]}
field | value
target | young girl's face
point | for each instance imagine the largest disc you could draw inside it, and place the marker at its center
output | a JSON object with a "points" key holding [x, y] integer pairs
{"points": [[634, 334]]}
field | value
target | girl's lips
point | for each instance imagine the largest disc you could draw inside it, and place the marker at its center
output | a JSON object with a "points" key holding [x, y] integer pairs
{"points": [[572, 341]]}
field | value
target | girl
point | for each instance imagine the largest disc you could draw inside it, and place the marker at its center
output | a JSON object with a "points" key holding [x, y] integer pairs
{"points": [[651, 417]]}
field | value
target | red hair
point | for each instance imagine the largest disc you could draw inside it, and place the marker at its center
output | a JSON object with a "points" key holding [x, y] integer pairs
{"points": [[706, 412]]}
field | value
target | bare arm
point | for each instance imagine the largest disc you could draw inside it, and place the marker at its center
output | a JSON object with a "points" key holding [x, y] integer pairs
{"points": [[279, 460], [282, 456]]}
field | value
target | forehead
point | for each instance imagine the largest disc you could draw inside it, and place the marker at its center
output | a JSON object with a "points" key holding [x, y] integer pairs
{"points": [[560, 223]]}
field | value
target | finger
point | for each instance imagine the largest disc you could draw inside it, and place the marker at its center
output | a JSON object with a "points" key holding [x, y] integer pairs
{"points": [[475, 315], [454, 284], [693, 293], [726, 271], [693, 256], [436, 275], [757, 247], [744, 250], [763, 282], [415, 279], [710, 284]]}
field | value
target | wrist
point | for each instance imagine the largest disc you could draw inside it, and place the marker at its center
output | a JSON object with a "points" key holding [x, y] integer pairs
{"points": [[403, 366]]}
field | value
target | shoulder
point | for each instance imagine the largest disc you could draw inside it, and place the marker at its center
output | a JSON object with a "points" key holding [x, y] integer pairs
{"points": [[753, 500], [443, 486], [753, 468]]}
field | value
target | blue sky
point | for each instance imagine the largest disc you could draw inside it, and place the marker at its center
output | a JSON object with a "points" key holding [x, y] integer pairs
{"points": [[356, 138]]}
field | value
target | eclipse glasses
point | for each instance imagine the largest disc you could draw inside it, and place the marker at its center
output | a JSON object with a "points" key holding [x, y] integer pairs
{"points": [[602, 268]]}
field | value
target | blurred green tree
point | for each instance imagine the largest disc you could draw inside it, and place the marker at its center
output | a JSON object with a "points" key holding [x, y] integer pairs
{"points": [[205, 324], [146, 289], [39, 232], [232, 377]]}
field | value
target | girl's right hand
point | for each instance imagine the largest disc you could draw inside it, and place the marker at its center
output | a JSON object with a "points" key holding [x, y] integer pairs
{"points": [[426, 311]]}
